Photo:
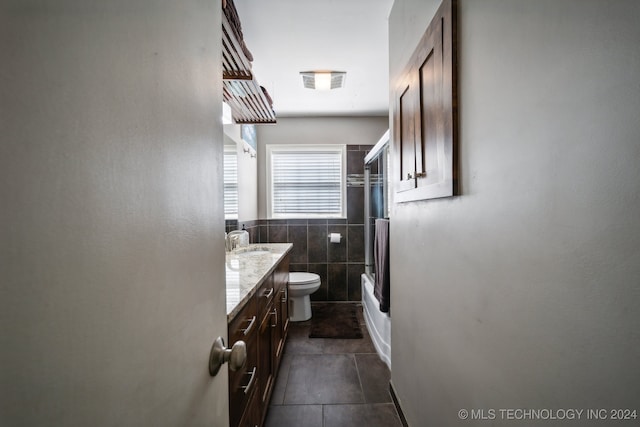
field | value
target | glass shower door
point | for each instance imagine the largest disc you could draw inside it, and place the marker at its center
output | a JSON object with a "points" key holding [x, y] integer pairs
{"points": [[376, 195]]}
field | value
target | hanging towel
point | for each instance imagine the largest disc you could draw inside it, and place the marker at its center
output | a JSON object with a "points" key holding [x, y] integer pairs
{"points": [[381, 289]]}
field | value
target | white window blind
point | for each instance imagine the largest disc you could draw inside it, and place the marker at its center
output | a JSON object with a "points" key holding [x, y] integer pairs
{"points": [[230, 185], [307, 181]]}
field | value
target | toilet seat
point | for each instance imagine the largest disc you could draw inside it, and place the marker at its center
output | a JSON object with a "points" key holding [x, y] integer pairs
{"points": [[302, 278]]}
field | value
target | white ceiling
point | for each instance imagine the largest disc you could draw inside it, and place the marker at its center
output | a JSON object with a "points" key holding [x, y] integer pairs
{"points": [[289, 36]]}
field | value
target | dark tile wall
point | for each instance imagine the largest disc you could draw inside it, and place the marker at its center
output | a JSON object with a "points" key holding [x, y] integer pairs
{"points": [[230, 225], [339, 265]]}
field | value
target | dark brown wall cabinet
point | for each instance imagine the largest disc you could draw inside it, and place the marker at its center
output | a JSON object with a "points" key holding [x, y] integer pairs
{"points": [[263, 324], [424, 114], [249, 102]]}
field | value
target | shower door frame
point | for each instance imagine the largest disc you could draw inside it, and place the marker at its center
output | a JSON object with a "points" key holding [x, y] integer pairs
{"points": [[380, 149]]}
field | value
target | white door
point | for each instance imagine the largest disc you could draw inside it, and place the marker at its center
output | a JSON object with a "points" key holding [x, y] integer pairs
{"points": [[111, 223]]}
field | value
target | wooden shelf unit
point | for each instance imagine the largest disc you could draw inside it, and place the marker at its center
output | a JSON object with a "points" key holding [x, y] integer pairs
{"points": [[241, 90]]}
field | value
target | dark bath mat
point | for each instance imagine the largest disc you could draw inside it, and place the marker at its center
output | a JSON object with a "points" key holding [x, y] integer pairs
{"points": [[334, 320]]}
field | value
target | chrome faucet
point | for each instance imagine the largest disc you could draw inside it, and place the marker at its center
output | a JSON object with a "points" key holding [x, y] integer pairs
{"points": [[232, 240]]}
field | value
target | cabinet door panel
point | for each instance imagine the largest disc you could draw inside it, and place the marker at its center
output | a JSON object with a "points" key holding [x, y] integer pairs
{"points": [[242, 383], [284, 310], [253, 415], [430, 145], [265, 355], [281, 311], [283, 320], [405, 135]]}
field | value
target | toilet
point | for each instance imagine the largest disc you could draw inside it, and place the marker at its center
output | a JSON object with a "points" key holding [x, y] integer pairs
{"points": [[301, 285]]}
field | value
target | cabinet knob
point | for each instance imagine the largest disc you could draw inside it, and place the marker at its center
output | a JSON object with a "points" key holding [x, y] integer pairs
{"points": [[236, 356]]}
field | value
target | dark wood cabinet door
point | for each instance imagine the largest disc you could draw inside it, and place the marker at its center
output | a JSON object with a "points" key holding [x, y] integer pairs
{"points": [[283, 323], [265, 364], [424, 116], [242, 382], [253, 414], [281, 311]]}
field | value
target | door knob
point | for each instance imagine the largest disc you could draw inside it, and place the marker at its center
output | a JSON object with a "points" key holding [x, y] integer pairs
{"points": [[236, 355]]}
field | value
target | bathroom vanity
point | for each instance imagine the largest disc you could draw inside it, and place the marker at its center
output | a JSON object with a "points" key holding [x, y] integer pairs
{"points": [[257, 313]]}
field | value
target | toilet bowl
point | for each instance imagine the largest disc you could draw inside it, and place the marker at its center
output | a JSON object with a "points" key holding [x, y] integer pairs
{"points": [[301, 285]]}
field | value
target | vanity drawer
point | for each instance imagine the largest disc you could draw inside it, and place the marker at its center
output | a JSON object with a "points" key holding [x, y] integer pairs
{"points": [[245, 323], [265, 295]]}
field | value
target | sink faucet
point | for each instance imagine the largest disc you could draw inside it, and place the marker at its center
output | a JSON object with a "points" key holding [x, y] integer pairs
{"points": [[232, 240]]}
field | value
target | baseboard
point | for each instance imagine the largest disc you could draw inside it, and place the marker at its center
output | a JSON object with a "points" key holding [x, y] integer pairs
{"points": [[396, 403]]}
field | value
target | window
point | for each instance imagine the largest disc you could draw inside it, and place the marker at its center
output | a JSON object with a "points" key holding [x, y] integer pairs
{"points": [[306, 181], [230, 184]]}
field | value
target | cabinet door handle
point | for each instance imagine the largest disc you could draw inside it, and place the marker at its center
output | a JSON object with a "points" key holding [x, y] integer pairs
{"points": [[268, 293], [250, 383], [284, 295], [250, 326], [275, 314]]}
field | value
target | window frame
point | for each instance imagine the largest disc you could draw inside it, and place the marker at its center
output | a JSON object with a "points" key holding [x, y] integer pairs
{"points": [[231, 151], [340, 149]]}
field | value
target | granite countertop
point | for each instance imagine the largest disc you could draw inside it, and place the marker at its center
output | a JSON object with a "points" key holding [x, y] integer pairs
{"points": [[247, 268]]}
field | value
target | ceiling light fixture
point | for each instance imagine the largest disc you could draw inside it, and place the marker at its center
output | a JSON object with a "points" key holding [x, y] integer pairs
{"points": [[323, 80]]}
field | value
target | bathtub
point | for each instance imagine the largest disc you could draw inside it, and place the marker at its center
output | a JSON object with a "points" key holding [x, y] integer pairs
{"points": [[378, 323]]}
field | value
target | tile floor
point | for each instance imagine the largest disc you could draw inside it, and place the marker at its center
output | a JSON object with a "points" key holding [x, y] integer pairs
{"points": [[331, 383]]}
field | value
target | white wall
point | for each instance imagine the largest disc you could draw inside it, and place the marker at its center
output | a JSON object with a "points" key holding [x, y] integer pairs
{"points": [[314, 130], [111, 221], [247, 183], [523, 292]]}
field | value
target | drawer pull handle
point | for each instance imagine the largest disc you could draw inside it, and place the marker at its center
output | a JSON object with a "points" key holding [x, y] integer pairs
{"points": [[268, 293], [249, 327], [275, 314], [250, 383]]}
